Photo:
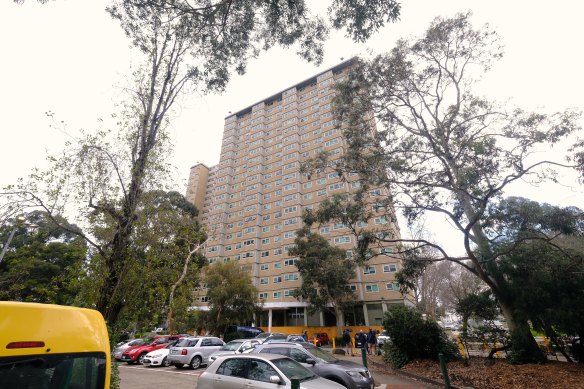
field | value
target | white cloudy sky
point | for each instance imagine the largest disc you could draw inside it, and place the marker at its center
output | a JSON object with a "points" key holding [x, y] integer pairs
{"points": [[69, 57]]}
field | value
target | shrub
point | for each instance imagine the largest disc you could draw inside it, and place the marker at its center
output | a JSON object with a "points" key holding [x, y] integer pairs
{"points": [[339, 342], [413, 337]]}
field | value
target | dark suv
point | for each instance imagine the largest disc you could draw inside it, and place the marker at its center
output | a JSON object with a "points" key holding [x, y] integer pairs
{"points": [[241, 332], [349, 374]]}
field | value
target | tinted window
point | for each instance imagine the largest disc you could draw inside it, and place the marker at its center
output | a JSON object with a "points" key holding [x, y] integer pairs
{"points": [[234, 368], [260, 371], [298, 355], [276, 350], [292, 368], [206, 342], [216, 342]]}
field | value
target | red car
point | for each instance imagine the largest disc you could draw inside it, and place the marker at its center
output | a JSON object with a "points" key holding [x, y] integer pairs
{"points": [[321, 339], [137, 353]]}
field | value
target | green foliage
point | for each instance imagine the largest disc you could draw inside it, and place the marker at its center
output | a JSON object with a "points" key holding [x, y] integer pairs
{"points": [[233, 299], [44, 264], [413, 337], [445, 150], [325, 270], [481, 305], [393, 356]]}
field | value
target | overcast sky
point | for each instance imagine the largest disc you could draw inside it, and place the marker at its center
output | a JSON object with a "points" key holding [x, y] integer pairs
{"points": [[71, 58]]}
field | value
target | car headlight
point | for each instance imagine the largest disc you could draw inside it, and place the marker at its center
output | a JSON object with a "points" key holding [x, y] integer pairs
{"points": [[364, 375]]}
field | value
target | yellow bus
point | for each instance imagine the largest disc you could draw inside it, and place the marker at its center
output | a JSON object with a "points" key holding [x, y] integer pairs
{"points": [[45, 346]]}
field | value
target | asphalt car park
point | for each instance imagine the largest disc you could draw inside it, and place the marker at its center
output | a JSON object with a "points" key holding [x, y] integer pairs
{"points": [[142, 377]]}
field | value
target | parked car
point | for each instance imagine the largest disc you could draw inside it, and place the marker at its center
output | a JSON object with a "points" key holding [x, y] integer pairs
{"points": [[241, 332], [265, 336], [349, 374], [294, 339], [260, 371], [194, 351], [321, 339], [382, 338], [159, 357], [237, 346], [137, 353], [123, 346]]}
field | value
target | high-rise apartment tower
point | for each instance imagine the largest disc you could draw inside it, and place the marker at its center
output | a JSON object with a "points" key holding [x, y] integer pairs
{"points": [[252, 202]]}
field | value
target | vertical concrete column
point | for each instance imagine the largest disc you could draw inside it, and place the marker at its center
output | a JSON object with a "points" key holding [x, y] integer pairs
{"points": [[305, 317], [321, 318], [366, 314], [269, 320], [383, 306]]}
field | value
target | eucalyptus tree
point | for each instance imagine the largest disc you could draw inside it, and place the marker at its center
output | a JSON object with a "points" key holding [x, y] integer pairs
{"points": [[186, 46], [326, 274], [443, 149]]}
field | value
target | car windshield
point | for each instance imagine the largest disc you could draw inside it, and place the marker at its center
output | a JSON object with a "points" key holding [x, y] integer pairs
{"points": [[321, 354], [161, 341], [138, 342], [231, 346], [384, 333], [263, 335], [183, 342], [293, 369]]}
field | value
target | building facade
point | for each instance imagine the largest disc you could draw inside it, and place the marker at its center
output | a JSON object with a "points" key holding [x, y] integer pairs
{"points": [[252, 202]]}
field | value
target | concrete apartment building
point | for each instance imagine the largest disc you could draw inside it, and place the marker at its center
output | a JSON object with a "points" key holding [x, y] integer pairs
{"points": [[252, 202]]}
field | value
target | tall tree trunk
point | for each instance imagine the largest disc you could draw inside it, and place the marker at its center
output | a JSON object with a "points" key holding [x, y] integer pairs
{"points": [[339, 317]]}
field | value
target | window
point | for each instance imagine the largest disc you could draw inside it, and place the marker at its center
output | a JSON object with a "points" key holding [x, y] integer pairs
{"points": [[371, 288], [290, 262], [324, 230], [369, 270], [277, 265], [307, 185], [263, 295], [380, 220], [321, 192], [233, 368], [265, 240], [264, 266], [307, 196], [265, 254], [391, 268], [290, 235], [353, 287], [321, 181], [392, 286], [291, 277], [342, 239], [386, 250], [338, 185], [260, 370], [264, 281], [277, 295], [277, 279], [277, 251], [266, 229]]}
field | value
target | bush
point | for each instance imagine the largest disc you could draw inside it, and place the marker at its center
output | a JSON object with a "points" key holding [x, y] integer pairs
{"points": [[339, 342], [413, 337]]}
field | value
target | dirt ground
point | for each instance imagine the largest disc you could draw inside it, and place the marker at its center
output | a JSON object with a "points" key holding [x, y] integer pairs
{"points": [[501, 375]]}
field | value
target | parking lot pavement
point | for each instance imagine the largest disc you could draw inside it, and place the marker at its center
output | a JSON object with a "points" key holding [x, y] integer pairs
{"points": [[141, 377]]}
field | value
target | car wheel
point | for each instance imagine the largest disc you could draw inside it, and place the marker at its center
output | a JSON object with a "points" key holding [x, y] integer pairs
{"points": [[141, 358], [178, 365], [165, 362], [195, 362]]}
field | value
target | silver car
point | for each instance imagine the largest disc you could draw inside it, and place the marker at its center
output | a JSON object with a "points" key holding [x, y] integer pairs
{"points": [[349, 374], [262, 371], [123, 346], [237, 346], [194, 351]]}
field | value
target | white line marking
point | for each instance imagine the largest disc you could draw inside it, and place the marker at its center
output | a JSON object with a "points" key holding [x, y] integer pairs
{"points": [[164, 371]]}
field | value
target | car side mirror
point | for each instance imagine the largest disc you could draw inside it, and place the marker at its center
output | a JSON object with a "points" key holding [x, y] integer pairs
{"points": [[310, 361], [274, 379]]}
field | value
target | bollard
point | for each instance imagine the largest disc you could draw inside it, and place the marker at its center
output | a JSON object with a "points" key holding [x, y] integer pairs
{"points": [[295, 383], [314, 340], [461, 347], [354, 350], [364, 357], [444, 371], [334, 346]]}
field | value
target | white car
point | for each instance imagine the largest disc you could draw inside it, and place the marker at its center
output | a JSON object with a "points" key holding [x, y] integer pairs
{"points": [[237, 346], [382, 338], [158, 357], [263, 371]]}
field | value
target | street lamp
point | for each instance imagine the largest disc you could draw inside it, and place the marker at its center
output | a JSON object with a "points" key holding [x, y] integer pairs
{"points": [[20, 220]]}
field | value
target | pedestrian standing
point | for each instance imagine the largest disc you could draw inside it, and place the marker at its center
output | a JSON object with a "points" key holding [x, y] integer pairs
{"points": [[347, 340], [305, 336], [372, 340]]}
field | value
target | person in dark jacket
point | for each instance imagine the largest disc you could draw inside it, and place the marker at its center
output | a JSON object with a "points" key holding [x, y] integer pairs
{"points": [[372, 341], [347, 340]]}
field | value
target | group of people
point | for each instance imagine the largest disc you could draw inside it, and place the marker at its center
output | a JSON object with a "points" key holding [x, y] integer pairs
{"points": [[367, 341]]}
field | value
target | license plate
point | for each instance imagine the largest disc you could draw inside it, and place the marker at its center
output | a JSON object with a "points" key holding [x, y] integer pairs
{"points": [[173, 352]]}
